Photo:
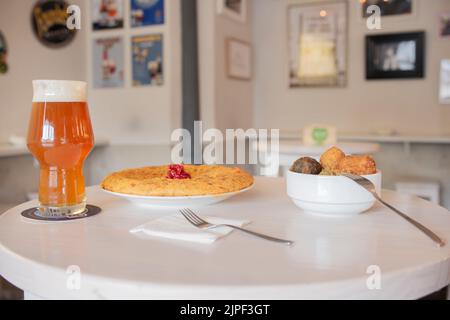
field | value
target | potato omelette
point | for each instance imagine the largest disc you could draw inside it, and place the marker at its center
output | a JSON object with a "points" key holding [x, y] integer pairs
{"points": [[195, 180]]}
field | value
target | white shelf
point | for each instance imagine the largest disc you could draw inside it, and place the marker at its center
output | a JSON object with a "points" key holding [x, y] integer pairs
{"points": [[406, 139], [400, 139], [8, 150]]}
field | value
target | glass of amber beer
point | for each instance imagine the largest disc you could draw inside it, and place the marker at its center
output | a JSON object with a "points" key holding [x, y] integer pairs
{"points": [[60, 137]]}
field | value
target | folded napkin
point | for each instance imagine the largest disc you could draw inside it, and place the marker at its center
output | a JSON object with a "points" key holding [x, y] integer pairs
{"points": [[177, 227]]}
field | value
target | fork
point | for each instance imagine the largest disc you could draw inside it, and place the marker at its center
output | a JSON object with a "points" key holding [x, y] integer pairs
{"points": [[205, 225], [369, 186]]}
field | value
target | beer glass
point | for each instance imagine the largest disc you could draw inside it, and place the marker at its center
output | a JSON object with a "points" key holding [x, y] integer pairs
{"points": [[60, 137]]}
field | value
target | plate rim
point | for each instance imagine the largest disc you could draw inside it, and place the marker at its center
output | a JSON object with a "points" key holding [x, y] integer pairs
{"points": [[168, 198]]}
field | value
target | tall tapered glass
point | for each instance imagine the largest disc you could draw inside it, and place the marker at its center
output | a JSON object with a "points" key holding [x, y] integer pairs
{"points": [[60, 137]]}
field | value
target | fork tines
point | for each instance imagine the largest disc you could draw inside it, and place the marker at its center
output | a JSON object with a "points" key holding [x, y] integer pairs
{"points": [[192, 217]]}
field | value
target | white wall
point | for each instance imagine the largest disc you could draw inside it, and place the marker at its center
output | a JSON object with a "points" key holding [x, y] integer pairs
{"points": [[225, 102], [234, 98], [126, 116], [409, 106], [28, 59], [206, 26], [140, 115]]}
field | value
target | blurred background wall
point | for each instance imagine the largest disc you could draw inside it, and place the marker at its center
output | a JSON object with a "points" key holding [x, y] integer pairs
{"points": [[28, 59], [136, 122], [407, 106]]}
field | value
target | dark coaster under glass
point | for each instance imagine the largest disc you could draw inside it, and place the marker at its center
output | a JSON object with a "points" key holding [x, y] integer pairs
{"points": [[33, 213]]}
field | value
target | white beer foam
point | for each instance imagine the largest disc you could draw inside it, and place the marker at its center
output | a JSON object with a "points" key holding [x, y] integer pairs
{"points": [[59, 91]]}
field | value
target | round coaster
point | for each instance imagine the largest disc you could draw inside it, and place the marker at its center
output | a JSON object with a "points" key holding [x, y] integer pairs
{"points": [[90, 211]]}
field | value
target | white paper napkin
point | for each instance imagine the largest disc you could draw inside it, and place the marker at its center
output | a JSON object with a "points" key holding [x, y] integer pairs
{"points": [[177, 227]]}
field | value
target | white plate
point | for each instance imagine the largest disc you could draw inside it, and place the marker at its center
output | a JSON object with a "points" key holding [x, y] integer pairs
{"points": [[177, 202]]}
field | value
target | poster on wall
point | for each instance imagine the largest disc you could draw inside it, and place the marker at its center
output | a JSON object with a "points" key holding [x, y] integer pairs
{"points": [[49, 21], [147, 57], [3, 54], [445, 25], [388, 8], [317, 44], [107, 14], [108, 62], [444, 89], [238, 59], [147, 12], [234, 9], [395, 55]]}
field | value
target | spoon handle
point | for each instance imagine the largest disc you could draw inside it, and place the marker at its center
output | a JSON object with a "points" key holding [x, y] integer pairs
{"points": [[417, 224]]}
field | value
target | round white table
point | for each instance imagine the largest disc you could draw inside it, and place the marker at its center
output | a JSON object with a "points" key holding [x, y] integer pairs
{"points": [[291, 150], [373, 255]]}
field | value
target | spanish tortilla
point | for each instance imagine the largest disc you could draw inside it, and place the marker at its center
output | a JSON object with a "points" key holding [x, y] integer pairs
{"points": [[153, 181]]}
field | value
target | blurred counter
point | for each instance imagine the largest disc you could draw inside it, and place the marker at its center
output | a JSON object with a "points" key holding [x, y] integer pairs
{"points": [[10, 150], [378, 138]]}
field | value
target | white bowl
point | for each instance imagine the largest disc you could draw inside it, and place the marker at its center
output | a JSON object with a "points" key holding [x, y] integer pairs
{"points": [[330, 195]]}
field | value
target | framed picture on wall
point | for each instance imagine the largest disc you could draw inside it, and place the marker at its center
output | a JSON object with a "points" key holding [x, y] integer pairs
{"points": [[3, 54], [238, 59], [444, 89], [444, 29], [317, 39], [234, 9], [395, 56], [146, 12], [388, 8], [107, 14], [147, 57], [108, 62]]}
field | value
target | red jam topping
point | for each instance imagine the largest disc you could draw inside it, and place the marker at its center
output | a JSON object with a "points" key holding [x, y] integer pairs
{"points": [[176, 171]]}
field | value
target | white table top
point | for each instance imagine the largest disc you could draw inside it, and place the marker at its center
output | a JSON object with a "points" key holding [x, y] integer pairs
{"points": [[329, 260]]}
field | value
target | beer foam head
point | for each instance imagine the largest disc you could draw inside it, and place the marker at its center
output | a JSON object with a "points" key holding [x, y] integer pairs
{"points": [[59, 91]]}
